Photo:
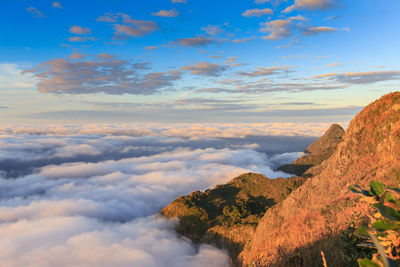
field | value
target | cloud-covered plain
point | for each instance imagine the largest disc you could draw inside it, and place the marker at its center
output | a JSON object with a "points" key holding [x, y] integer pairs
{"points": [[189, 130], [78, 210], [102, 73]]}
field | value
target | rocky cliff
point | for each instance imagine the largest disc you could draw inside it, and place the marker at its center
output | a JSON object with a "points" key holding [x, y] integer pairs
{"points": [[317, 152], [314, 217]]}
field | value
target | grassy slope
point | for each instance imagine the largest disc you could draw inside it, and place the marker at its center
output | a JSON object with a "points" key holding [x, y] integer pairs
{"points": [[228, 214]]}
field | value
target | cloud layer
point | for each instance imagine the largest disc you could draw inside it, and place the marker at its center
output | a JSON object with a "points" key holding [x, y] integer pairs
{"points": [[94, 197]]}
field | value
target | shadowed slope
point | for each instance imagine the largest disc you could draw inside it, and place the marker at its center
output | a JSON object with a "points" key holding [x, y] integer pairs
{"points": [[317, 212], [317, 152], [228, 214]]}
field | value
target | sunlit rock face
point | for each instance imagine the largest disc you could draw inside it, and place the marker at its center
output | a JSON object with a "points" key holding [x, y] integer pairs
{"points": [[297, 229]]}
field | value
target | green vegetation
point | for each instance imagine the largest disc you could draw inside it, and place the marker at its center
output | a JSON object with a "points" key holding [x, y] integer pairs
{"points": [[228, 214], [383, 234]]}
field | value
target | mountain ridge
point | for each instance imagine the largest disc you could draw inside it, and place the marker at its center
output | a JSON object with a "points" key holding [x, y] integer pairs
{"points": [[319, 151], [317, 211]]}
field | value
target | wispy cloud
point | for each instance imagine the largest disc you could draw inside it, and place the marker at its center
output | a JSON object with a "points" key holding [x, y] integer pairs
{"points": [[35, 12], [334, 64], [179, 1], [243, 40], [205, 68], [280, 28], [317, 30], [57, 5], [309, 4], [102, 73], [262, 71], [80, 30], [257, 12], [151, 47], [81, 39], [195, 41], [125, 27], [166, 13], [212, 29], [361, 77], [139, 28]]}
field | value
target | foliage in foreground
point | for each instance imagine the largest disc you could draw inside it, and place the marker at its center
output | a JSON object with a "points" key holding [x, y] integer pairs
{"points": [[383, 234]]}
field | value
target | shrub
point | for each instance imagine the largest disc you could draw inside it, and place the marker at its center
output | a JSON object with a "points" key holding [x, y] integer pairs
{"points": [[383, 234]]}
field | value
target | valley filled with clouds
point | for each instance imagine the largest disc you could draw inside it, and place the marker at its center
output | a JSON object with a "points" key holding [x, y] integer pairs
{"points": [[95, 192]]}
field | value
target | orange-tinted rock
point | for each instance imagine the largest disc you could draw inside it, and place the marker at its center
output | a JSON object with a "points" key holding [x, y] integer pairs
{"points": [[310, 219]]}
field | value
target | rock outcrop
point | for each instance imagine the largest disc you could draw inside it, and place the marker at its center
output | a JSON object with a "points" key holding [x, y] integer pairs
{"points": [[313, 217], [317, 152]]}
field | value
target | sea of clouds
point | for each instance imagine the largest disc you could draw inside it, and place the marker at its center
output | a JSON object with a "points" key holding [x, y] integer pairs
{"points": [[90, 195]]}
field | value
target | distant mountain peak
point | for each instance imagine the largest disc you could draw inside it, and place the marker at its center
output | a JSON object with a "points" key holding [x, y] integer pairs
{"points": [[317, 152]]}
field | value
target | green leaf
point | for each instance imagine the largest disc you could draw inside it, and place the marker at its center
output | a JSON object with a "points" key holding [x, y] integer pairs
{"points": [[388, 212], [358, 190], [377, 188], [383, 225], [363, 232], [390, 198], [367, 263], [355, 189]]}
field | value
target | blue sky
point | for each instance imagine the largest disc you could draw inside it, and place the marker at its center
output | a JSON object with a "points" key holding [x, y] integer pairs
{"points": [[195, 61]]}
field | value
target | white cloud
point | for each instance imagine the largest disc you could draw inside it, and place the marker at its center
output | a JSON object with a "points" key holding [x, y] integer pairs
{"points": [[79, 241], [134, 131], [104, 212]]}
